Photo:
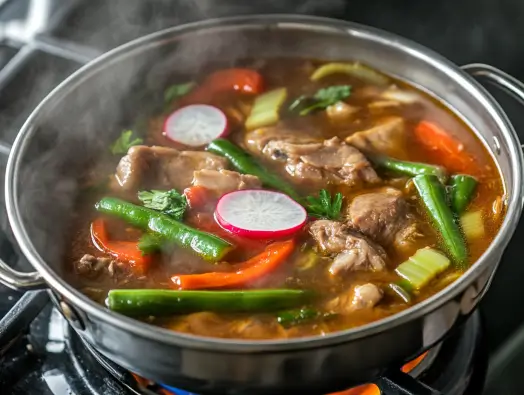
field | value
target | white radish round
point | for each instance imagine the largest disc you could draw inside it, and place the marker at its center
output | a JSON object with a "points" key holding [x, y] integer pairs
{"points": [[195, 125], [260, 214]]}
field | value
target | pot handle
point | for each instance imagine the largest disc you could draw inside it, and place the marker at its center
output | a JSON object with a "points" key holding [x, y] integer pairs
{"points": [[400, 383], [498, 78], [20, 281]]}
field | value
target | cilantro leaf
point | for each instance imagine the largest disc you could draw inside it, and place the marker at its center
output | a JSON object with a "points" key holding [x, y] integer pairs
{"points": [[178, 90], [323, 98], [170, 202], [324, 206], [124, 142]]}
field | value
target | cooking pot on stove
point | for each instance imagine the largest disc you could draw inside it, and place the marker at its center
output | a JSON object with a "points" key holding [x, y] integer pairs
{"points": [[75, 123]]}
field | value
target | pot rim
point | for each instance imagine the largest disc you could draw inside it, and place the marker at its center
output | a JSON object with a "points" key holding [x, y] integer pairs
{"points": [[492, 254]]}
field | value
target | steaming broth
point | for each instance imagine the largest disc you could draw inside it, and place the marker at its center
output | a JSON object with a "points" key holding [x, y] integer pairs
{"points": [[347, 257]]}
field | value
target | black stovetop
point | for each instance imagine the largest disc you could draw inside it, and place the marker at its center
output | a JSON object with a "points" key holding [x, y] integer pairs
{"points": [[43, 41]]}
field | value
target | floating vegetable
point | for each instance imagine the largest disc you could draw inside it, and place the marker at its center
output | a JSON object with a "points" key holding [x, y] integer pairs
{"points": [[301, 316], [245, 163], [462, 190], [355, 69], [433, 195], [445, 149], [273, 256], [409, 168], [473, 225], [124, 251], [422, 267], [325, 206], [124, 142], [206, 245], [169, 202], [195, 125], [161, 302], [260, 214], [236, 79], [322, 99], [265, 110]]}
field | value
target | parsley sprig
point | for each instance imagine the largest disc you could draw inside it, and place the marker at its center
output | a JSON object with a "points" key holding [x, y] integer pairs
{"points": [[324, 206], [124, 142], [325, 97], [170, 202]]}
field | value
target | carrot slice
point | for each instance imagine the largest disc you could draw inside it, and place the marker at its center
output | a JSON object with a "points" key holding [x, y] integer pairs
{"points": [[245, 272], [228, 80], [444, 149], [125, 251], [197, 196]]}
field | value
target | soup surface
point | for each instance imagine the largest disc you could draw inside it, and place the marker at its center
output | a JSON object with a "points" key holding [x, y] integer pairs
{"points": [[199, 224]]}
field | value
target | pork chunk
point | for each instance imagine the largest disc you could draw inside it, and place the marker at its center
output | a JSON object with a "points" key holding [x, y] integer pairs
{"points": [[383, 216], [224, 181], [163, 168], [387, 137], [331, 160], [365, 296], [351, 251]]}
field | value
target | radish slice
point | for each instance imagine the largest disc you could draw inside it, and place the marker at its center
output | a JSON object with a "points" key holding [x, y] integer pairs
{"points": [[260, 214], [195, 125]]}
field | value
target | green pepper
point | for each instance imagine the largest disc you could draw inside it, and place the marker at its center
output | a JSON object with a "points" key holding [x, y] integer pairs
{"points": [[206, 245], [409, 168], [245, 163], [157, 302], [433, 196], [462, 189]]}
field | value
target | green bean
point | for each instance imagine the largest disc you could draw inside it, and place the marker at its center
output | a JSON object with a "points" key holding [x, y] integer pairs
{"points": [[159, 302], [462, 190], [245, 163], [433, 196], [409, 168], [207, 245]]}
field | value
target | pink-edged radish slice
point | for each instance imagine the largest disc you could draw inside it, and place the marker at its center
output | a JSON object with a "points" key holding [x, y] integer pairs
{"points": [[260, 214], [195, 125]]}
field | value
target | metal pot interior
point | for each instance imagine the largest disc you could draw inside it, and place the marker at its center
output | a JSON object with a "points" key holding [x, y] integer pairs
{"points": [[75, 125]]}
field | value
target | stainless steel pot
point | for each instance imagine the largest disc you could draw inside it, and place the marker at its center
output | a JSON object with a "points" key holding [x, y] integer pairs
{"points": [[76, 122]]}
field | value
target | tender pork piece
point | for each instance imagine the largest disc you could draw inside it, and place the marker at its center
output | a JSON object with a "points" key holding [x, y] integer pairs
{"points": [[224, 181], [91, 267], [162, 167], [365, 296], [387, 137], [256, 140], [383, 216], [330, 160], [352, 251]]}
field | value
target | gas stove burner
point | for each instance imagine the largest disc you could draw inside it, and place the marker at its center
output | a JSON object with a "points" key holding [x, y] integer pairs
{"points": [[455, 367]]}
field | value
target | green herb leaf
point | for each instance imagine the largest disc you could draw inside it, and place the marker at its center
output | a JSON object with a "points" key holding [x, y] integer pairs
{"points": [[324, 206], [176, 91], [170, 202], [150, 243], [325, 97], [124, 142]]}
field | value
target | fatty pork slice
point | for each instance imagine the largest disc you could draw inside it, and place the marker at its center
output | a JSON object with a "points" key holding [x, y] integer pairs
{"points": [[385, 217], [387, 137], [163, 168], [351, 251], [312, 160]]}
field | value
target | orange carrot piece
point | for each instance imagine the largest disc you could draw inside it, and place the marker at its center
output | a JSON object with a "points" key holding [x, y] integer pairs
{"points": [[245, 272], [125, 251], [197, 196], [444, 149]]}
